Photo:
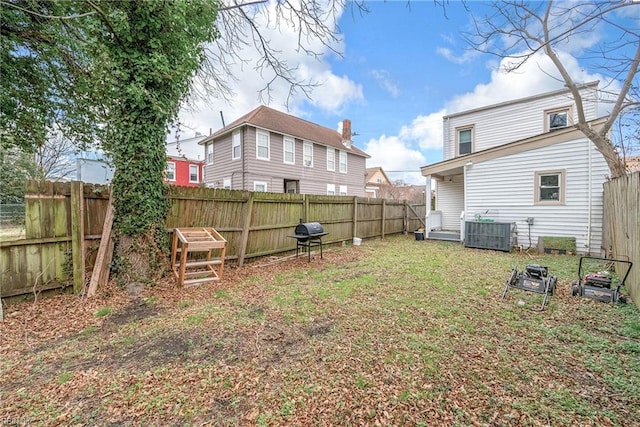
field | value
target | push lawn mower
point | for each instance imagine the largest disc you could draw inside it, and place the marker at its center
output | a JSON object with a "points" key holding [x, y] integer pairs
{"points": [[535, 278], [602, 285]]}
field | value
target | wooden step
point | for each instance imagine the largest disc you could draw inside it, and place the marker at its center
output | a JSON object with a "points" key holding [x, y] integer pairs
{"points": [[191, 264], [192, 282]]}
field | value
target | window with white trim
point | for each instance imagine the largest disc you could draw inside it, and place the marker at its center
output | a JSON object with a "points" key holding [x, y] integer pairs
{"points": [[307, 154], [235, 145], [343, 190], [209, 150], [262, 145], [226, 183], [549, 187], [259, 186], [170, 171], [464, 139], [194, 175], [331, 159], [289, 150], [558, 118], [343, 162], [331, 189]]}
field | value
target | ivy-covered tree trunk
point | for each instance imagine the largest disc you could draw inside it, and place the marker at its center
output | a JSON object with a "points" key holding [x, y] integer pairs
{"points": [[149, 51]]}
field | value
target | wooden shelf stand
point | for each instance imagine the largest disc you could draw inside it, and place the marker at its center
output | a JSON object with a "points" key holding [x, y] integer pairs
{"points": [[197, 239]]}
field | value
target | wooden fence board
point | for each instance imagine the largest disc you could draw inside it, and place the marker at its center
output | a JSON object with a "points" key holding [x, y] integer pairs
{"points": [[254, 224]]}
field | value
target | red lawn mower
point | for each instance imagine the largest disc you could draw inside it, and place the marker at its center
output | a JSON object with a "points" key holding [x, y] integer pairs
{"points": [[599, 279]]}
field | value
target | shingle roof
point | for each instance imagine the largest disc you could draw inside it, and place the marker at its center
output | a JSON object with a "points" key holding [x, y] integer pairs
{"points": [[633, 163], [277, 121]]}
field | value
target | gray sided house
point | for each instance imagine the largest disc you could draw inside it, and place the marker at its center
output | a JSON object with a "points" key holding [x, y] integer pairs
{"points": [[522, 163], [267, 150]]}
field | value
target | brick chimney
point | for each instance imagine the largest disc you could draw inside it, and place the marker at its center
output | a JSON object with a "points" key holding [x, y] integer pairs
{"points": [[346, 133]]}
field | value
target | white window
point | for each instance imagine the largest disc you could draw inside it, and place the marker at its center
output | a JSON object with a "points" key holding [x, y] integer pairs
{"points": [[331, 159], [209, 150], [262, 145], [343, 162], [549, 188], [379, 180], [557, 119], [331, 189], [465, 140], [343, 190], [235, 145], [259, 186], [307, 154], [289, 149], [194, 175], [170, 171], [226, 183]]}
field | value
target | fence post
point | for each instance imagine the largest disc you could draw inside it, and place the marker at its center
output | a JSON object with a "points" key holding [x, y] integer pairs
{"points": [[384, 216], [77, 235], [355, 216], [245, 229]]}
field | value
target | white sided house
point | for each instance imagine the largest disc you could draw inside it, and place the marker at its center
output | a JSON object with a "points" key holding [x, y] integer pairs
{"points": [[523, 165]]}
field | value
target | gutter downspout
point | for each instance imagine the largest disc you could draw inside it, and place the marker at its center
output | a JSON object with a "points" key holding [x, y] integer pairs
{"points": [[589, 203]]}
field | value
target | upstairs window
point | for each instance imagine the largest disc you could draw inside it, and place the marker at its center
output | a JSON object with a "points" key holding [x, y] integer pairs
{"points": [[465, 140], [170, 171], [262, 145], [343, 162], [331, 159], [288, 147], [558, 118], [235, 145], [193, 174], [307, 154], [549, 188], [209, 151]]}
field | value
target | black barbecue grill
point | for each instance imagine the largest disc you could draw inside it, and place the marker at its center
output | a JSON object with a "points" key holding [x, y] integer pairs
{"points": [[307, 235]]}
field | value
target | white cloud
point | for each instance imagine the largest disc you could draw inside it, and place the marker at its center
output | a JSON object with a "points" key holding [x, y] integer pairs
{"points": [[395, 156], [333, 94], [385, 82], [448, 54]]}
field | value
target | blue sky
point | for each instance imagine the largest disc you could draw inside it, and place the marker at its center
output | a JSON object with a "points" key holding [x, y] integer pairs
{"points": [[403, 66]]}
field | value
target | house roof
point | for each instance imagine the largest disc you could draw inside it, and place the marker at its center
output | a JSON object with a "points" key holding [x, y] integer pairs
{"points": [[455, 166], [286, 124], [593, 84], [372, 171], [633, 163]]}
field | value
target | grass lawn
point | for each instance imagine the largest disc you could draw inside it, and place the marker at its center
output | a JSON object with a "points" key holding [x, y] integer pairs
{"points": [[393, 332]]}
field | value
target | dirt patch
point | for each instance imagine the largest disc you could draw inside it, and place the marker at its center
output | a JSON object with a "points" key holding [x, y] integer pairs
{"points": [[136, 310]]}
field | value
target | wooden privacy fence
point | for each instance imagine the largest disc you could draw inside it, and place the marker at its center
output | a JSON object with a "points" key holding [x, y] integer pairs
{"points": [[621, 226], [64, 221]]}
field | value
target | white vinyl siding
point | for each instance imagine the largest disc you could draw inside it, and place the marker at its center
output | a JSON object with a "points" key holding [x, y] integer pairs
{"points": [[170, 171], [194, 177], [236, 149], [331, 159], [289, 150], [505, 187], [307, 154], [511, 121], [262, 145], [450, 200], [343, 162]]}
